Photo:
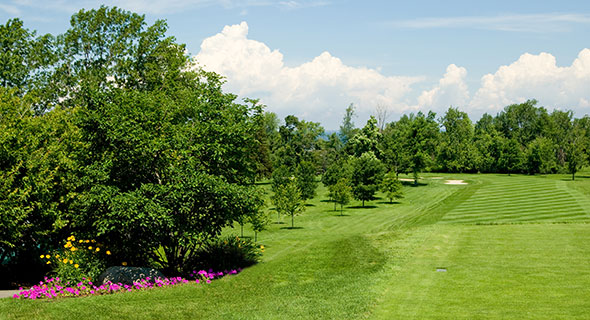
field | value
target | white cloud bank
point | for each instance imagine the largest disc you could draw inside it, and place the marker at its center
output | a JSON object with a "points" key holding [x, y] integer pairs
{"points": [[320, 90]]}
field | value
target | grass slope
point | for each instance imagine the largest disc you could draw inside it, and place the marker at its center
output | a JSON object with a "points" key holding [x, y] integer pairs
{"points": [[380, 262]]}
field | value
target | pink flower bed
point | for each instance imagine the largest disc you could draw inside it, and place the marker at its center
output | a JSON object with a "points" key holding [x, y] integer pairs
{"points": [[53, 288]]}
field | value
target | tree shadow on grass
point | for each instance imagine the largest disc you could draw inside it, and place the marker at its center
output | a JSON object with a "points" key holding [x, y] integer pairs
{"points": [[291, 228], [309, 205], [327, 201], [342, 215], [387, 202], [414, 185], [361, 207], [279, 222]]}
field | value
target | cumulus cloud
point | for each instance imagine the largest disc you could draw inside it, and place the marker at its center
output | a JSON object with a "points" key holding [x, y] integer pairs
{"points": [[319, 89], [539, 77], [451, 90]]}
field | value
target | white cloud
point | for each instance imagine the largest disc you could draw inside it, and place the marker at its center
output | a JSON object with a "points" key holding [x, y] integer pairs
{"points": [[451, 90], [10, 9], [539, 77], [551, 22], [319, 89]]}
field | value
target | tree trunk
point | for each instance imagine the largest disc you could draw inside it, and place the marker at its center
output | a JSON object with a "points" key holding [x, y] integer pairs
{"points": [[292, 221], [341, 209], [363, 203], [278, 217]]}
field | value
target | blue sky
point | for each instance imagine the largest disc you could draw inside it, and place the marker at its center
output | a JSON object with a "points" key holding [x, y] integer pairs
{"points": [[312, 58]]}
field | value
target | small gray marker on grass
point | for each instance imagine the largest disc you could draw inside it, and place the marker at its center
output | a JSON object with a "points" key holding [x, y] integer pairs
{"points": [[441, 269]]}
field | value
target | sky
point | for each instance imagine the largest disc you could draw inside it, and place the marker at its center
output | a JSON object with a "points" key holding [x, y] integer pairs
{"points": [[313, 58]]}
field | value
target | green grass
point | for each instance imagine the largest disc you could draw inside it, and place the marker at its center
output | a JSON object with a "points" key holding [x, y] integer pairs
{"points": [[380, 262]]}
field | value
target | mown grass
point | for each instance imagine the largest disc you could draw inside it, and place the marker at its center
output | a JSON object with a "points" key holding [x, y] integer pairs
{"points": [[380, 262]]}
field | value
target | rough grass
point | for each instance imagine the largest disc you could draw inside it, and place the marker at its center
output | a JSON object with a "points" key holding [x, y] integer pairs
{"points": [[380, 262]]}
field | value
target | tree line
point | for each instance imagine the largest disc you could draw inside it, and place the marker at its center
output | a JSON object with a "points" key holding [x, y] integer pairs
{"points": [[522, 138]]}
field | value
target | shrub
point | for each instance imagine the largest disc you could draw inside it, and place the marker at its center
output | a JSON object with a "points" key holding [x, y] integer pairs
{"points": [[226, 253]]}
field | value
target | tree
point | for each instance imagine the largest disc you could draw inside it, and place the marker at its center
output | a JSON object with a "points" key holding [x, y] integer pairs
{"points": [[575, 152], [421, 140], [367, 172], [392, 187], [381, 114], [347, 129], [342, 192], [540, 156], [456, 150], [23, 56], [288, 201], [306, 179], [366, 140], [135, 146], [511, 156], [393, 147], [259, 221]]}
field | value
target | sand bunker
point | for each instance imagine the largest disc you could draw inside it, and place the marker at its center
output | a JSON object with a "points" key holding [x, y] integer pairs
{"points": [[436, 178], [455, 182], [404, 179]]}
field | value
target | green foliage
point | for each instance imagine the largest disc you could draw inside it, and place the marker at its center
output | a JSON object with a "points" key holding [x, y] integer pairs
{"points": [[347, 129], [225, 253], [306, 179], [576, 149], [540, 156], [288, 201], [456, 151], [511, 156], [367, 173], [392, 187], [341, 192], [78, 259], [366, 140], [420, 141]]}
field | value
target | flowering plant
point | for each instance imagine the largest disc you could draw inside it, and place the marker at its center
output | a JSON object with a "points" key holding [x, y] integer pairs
{"points": [[55, 288], [79, 258]]}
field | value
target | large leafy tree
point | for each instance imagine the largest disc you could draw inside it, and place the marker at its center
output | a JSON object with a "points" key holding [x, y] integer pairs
{"points": [[367, 173], [135, 145], [456, 149], [421, 140]]}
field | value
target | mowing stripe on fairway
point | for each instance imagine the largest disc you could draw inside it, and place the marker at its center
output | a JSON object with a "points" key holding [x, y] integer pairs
{"points": [[518, 199]]}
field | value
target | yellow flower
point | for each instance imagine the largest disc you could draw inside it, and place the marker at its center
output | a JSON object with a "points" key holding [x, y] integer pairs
{"points": [[93, 241], [73, 249], [42, 256], [89, 247], [57, 255], [97, 249], [87, 241], [47, 256], [108, 253], [71, 261], [80, 241], [76, 266], [262, 247], [48, 262], [65, 260], [124, 263]]}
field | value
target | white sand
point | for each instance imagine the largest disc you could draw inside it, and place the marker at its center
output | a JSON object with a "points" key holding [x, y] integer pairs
{"points": [[404, 179], [436, 178], [455, 182]]}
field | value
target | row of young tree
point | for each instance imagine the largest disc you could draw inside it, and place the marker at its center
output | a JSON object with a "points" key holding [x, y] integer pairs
{"points": [[110, 132], [522, 138]]}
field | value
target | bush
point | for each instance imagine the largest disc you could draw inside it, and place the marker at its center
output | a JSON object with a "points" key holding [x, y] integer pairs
{"points": [[226, 253]]}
